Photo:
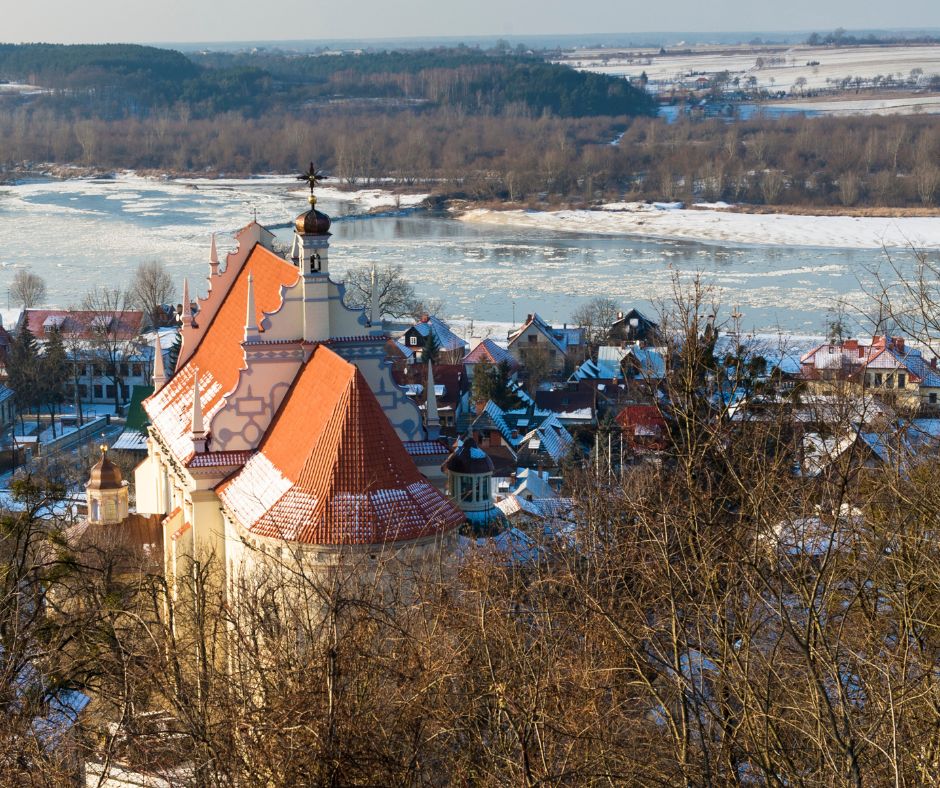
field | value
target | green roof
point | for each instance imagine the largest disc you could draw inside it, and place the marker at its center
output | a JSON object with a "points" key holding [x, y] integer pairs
{"points": [[136, 415]]}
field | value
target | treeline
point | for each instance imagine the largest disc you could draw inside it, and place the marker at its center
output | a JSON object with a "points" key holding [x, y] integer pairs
{"points": [[878, 162], [118, 81], [471, 79], [840, 38]]}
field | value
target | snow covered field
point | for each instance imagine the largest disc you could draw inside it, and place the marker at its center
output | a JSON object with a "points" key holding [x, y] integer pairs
{"points": [[711, 225], [834, 64], [909, 105]]}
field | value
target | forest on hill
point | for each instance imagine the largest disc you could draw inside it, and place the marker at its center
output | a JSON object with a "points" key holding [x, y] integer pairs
{"points": [[113, 81]]}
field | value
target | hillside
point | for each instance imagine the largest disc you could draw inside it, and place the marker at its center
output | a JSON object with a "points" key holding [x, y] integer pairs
{"points": [[119, 80]]}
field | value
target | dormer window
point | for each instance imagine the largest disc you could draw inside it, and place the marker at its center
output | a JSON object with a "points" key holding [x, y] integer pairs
{"points": [[102, 323], [53, 323]]}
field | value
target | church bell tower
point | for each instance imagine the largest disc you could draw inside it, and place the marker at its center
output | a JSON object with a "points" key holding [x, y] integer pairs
{"points": [[310, 252]]}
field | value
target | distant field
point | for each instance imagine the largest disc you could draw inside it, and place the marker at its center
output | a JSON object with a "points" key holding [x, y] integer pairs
{"points": [[834, 64], [885, 105]]}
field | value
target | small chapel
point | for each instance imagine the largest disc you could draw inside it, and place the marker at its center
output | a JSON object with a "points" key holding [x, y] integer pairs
{"points": [[281, 425]]}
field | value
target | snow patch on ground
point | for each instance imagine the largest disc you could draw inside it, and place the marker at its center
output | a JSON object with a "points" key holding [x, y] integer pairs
{"points": [[711, 225]]}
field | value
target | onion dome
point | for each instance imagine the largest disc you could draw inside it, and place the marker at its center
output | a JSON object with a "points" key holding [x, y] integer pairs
{"points": [[313, 222], [105, 475], [468, 458]]}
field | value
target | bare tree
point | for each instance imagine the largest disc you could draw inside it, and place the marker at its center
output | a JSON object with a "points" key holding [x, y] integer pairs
{"points": [[397, 297], [150, 289], [596, 316], [28, 289], [112, 336]]}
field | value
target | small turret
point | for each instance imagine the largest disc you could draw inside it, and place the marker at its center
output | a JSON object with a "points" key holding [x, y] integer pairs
{"points": [[470, 482], [310, 249], [106, 493]]}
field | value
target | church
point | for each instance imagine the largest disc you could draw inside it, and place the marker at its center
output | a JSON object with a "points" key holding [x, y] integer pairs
{"points": [[281, 424]]}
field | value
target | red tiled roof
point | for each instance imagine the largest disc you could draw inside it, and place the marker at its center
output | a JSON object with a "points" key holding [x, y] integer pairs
{"points": [[641, 416], [489, 351], [219, 459], [219, 356], [331, 469], [80, 324]]}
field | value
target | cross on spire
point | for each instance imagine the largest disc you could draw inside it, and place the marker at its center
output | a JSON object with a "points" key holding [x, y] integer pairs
{"points": [[312, 176]]}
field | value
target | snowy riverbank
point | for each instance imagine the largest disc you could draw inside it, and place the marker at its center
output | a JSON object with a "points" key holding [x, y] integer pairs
{"points": [[726, 226]]}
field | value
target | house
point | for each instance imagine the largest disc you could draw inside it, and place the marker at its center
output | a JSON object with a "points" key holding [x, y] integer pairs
{"points": [[640, 369], [534, 437], [886, 367], [489, 352], [560, 346], [644, 428], [635, 327], [452, 347], [451, 386], [574, 405], [106, 354]]}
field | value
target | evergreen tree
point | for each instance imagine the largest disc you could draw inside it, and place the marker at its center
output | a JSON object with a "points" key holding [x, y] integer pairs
{"points": [[53, 372], [23, 371], [491, 382], [432, 348]]}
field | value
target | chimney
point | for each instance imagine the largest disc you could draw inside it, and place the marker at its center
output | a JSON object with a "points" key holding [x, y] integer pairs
{"points": [[528, 318]]}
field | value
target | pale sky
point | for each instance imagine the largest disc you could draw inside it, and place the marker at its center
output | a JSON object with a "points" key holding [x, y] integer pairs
{"points": [[73, 21]]}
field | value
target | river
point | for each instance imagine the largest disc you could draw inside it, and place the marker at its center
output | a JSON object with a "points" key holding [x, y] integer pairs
{"points": [[81, 233]]}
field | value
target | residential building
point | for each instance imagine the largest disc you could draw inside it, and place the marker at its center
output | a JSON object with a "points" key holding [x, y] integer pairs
{"points": [[106, 354], [574, 404], [451, 388], [644, 428], [535, 438], [886, 367], [451, 347], [633, 327], [489, 352], [560, 346]]}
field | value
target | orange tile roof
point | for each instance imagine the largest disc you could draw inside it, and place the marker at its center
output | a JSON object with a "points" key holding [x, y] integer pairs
{"points": [[331, 469], [219, 356]]}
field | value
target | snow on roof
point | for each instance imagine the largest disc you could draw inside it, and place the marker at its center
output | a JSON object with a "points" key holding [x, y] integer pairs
{"points": [[560, 342], [446, 339], [131, 440], [489, 351], [84, 324], [219, 356], [331, 470]]}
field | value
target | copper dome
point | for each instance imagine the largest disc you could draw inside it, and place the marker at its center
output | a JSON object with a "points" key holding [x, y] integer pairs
{"points": [[313, 222], [468, 458], [105, 475]]}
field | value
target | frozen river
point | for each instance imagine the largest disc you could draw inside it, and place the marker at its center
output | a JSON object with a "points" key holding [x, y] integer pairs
{"points": [[81, 233]]}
